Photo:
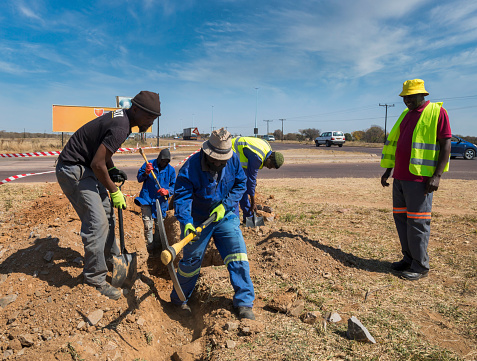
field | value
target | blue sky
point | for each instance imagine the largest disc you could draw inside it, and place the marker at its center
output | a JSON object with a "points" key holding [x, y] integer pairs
{"points": [[316, 63]]}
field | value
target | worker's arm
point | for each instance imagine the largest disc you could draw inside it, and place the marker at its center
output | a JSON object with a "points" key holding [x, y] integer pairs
{"points": [[445, 149], [100, 165], [385, 176]]}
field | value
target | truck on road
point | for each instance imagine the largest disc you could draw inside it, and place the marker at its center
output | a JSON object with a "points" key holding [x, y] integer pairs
{"points": [[190, 133]]}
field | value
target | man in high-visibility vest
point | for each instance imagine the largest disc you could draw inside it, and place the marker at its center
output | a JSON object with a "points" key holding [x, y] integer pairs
{"points": [[254, 154], [418, 149]]}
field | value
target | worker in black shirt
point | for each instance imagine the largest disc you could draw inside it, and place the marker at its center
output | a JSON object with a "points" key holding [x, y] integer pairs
{"points": [[86, 172]]}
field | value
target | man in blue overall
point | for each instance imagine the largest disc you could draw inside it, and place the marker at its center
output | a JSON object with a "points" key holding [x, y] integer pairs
{"points": [[166, 176], [213, 181], [254, 154]]}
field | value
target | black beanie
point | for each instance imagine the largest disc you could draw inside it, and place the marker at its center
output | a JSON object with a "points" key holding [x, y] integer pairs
{"points": [[148, 101]]}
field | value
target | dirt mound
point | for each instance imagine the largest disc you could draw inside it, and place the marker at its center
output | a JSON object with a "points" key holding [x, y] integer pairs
{"points": [[308, 259]]}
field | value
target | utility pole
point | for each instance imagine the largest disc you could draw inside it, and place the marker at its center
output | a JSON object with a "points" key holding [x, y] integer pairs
{"points": [[385, 118], [282, 120], [255, 130], [268, 122], [212, 124]]}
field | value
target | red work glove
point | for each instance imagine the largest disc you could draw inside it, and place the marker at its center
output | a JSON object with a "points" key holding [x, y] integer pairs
{"points": [[163, 192], [149, 168]]}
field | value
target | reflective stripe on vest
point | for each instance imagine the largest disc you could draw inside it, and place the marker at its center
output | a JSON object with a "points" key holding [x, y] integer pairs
{"points": [[425, 147], [256, 145]]}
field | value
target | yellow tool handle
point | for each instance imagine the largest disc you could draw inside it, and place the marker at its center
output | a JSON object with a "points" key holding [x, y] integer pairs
{"points": [[166, 256], [153, 174]]}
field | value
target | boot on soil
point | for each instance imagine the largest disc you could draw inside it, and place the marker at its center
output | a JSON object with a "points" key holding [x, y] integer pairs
{"points": [[245, 312], [183, 309], [109, 291]]}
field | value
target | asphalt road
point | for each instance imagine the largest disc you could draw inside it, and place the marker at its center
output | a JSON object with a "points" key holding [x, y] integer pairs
{"points": [[459, 168]]}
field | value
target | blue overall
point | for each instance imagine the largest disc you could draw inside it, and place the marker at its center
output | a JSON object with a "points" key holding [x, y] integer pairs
{"points": [[196, 194], [254, 164], [148, 195]]}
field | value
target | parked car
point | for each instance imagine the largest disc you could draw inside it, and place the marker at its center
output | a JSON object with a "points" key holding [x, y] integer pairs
{"points": [[270, 138], [462, 148], [330, 138]]}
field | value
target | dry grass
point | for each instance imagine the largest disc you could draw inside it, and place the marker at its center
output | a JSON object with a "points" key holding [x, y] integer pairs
{"points": [[350, 226]]}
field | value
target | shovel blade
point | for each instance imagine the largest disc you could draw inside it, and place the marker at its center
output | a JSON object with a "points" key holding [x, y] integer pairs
{"points": [[124, 270], [254, 221]]}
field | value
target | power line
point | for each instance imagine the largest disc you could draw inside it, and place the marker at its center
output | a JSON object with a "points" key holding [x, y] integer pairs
{"points": [[386, 117], [268, 122], [282, 120]]}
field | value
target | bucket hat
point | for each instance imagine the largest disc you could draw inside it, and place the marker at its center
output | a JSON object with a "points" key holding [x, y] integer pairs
{"points": [[148, 101], [219, 145], [414, 86]]}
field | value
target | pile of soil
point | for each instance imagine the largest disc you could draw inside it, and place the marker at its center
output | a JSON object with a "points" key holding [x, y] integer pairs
{"points": [[48, 313]]}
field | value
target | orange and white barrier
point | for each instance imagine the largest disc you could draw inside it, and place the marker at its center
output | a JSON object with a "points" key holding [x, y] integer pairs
{"points": [[12, 178]]}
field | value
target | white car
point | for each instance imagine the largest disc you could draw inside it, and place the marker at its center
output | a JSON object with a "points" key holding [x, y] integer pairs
{"points": [[330, 138], [270, 138]]}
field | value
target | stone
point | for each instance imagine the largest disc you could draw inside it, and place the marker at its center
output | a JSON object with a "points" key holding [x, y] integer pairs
{"points": [[94, 317], [311, 317], [356, 331], [296, 308], [334, 317], [81, 325], [15, 344], [230, 344], [231, 326], [141, 321], [7, 354], [3, 278], [48, 256], [47, 335], [27, 340], [4, 301]]}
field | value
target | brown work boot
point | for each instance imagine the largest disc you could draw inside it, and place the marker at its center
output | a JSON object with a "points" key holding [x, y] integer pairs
{"points": [[109, 291]]}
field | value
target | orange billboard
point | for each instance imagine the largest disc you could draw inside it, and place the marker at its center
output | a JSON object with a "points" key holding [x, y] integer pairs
{"points": [[69, 118]]}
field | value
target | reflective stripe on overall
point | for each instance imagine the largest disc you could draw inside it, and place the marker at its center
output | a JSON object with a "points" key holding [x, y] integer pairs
{"points": [[230, 243], [425, 147]]}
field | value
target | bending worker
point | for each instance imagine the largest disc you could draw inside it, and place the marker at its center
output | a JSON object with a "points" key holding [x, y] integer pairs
{"points": [[150, 191], [254, 153], [418, 150], [212, 181], [86, 172]]}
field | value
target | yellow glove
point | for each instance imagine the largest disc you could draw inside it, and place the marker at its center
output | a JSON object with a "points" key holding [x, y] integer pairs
{"points": [[189, 227], [220, 210], [118, 199]]}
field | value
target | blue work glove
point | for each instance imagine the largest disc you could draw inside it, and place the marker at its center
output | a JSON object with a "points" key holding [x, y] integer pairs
{"points": [[220, 210], [189, 227], [118, 199]]}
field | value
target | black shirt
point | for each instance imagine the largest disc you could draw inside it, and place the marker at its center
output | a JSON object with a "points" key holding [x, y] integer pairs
{"points": [[110, 129]]}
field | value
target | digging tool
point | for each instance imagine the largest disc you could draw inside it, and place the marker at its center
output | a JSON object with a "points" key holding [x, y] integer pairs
{"points": [[153, 174], [169, 252], [254, 221], [124, 265]]}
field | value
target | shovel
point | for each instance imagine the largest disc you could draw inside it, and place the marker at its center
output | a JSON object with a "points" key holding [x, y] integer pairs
{"points": [[124, 265], [254, 221]]}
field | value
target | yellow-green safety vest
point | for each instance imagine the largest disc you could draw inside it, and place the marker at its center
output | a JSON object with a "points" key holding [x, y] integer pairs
{"points": [[425, 147], [256, 145]]}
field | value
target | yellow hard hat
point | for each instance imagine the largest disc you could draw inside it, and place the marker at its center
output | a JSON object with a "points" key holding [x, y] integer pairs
{"points": [[414, 86]]}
